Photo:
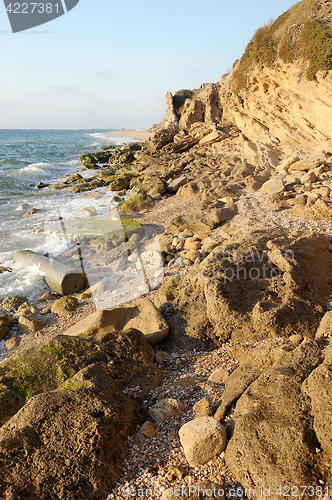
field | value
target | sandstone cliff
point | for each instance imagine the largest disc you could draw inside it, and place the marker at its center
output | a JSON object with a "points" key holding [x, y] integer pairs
{"points": [[278, 93]]}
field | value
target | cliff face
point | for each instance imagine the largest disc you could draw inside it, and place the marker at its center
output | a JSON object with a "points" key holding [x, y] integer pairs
{"points": [[280, 105], [279, 92]]}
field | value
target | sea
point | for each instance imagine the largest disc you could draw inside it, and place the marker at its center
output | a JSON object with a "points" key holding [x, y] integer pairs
{"points": [[28, 157]]}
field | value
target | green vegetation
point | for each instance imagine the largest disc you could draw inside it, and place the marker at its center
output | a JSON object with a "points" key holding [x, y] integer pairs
{"points": [[171, 286], [73, 386], [261, 49], [287, 51], [181, 96], [52, 364], [316, 42], [135, 203], [296, 33], [13, 302]]}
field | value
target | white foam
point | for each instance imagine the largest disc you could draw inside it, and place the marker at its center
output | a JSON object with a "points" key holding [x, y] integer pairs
{"points": [[27, 281], [53, 245], [34, 168], [104, 138]]}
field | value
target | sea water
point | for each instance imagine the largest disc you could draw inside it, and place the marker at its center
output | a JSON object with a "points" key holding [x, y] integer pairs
{"points": [[28, 157]]}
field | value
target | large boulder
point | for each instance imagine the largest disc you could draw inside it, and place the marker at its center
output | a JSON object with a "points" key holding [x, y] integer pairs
{"points": [[140, 314], [63, 437], [61, 405], [273, 443]]}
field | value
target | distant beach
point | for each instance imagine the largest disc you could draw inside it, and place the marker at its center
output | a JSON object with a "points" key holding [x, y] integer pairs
{"points": [[138, 135]]}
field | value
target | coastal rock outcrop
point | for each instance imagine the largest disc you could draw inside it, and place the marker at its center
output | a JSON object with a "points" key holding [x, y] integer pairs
{"points": [[251, 287], [62, 404]]}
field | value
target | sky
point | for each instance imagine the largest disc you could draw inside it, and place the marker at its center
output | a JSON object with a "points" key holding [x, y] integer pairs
{"points": [[108, 64]]}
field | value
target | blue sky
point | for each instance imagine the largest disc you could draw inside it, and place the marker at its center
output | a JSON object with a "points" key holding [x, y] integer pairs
{"points": [[108, 64]]}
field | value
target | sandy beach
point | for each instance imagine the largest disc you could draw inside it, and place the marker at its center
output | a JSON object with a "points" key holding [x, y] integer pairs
{"points": [[138, 135]]}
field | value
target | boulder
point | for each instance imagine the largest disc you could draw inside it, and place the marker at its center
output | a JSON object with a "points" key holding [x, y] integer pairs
{"points": [[215, 136], [209, 244], [192, 243], [146, 431], [306, 164], [273, 186], [12, 303], [137, 201], [31, 212], [89, 211], [219, 376], [118, 184], [72, 406], [85, 230], [310, 177], [180, 146], [140, 314], [26, 308], [166, 408], [5, 270], [204, 217], [30, 323], [203, 408], [96, 288], [325, 326], [202, 440], [286, 163], [6, 322], [78, 462], [273, 442], [257, 360], [65, 306], [175, 184], [12, 342]]}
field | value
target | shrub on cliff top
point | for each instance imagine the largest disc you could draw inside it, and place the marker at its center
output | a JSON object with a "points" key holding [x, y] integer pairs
{"points": [[181, 96], [305, 30], [317, 47], [262, 49]]}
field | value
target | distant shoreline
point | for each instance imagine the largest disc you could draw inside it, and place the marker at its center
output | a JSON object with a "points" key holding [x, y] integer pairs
{"points": [[139, 135]]}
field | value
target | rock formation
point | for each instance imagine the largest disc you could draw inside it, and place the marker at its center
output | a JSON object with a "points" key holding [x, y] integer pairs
{"points": [[65, 418]]}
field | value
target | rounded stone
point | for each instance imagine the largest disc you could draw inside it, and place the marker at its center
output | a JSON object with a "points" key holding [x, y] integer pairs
{"points": [[166, 408], [202, 439], [219, 376], [192, 244]]}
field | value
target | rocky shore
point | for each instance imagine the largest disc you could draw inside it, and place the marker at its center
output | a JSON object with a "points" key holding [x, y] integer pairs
{"points": [[196, 362]]}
